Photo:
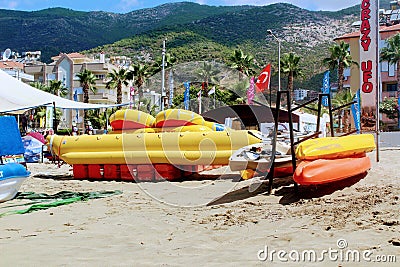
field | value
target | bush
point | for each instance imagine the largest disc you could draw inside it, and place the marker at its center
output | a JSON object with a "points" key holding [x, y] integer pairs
{"points": [[389, 106]]}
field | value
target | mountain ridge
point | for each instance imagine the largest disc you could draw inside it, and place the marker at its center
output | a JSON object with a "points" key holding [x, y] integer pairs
{"points": [[193, 31]]}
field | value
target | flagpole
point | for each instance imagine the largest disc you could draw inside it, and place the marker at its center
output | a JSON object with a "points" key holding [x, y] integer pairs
{"points": [[200, 101], [215, 91], [163, 77], [378, 77]]}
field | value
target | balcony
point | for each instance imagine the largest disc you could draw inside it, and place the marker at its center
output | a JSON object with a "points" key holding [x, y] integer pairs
{"points": [[103, 97]]}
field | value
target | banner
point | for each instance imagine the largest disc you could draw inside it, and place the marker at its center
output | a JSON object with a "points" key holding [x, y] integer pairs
{"points": [[212, 91], [186, 95], [355, 110], [49, 117], [326, 88], [250, 92], [171, 88], [131, 96], [76, 110], [199, 98], [369, 39], [263, 79]]}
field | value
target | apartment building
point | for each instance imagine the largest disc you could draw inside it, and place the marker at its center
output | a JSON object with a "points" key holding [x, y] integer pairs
{"points": [[65, 68], [388, 72]]}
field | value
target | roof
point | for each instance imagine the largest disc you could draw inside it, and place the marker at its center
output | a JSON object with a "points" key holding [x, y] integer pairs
{"points": [[382, 29], [9, 64], [73, 55], [249, 115]]}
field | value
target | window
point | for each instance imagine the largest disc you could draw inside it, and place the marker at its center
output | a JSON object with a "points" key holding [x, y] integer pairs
{"points": [[100, 76], [391, 87]]}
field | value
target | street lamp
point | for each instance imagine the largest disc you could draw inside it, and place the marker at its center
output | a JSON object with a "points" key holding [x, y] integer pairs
{"points": [[163, 94], [279, 57]]}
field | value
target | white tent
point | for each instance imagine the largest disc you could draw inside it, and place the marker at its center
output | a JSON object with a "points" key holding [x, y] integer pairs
{"points": [[17, 97]]}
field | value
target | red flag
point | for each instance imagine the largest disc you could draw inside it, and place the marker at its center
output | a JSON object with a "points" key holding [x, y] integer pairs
{"points": [[263, 79]]}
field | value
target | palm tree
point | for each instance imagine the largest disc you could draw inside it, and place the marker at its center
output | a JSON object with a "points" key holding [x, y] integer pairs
{"points": [[157, 67], [340, 58], [342, 98], [57, 88], [391, 53], [117, 79], [40, 112], [290, 67], [242, 62], [87, 80], [139, 74], [208, 74], [39, 85]]}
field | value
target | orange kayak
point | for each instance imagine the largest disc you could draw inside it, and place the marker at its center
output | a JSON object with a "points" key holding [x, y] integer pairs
{"points": [[322, 171]]}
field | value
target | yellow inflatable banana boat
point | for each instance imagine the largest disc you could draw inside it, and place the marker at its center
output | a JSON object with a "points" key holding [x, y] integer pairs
{"points": [[131, 119], [335, 147], [177, 117], [182, 148]]}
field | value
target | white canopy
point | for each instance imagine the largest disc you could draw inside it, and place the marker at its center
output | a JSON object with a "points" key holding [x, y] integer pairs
{"points": [[17, 97]]}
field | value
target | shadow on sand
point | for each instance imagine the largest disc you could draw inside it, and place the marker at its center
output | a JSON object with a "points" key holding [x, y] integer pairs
{"points": [[287, 190]]}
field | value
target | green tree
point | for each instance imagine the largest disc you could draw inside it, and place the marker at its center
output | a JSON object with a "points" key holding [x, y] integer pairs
{"points": [[342, 98], [40, 86], [207, 73], [339, 59], [169, 61], [139, 73], [40, 112], [57, 88], [87, 80], [118, 78], [290, 67], [389, 107], [391, 53], [243, 63]]}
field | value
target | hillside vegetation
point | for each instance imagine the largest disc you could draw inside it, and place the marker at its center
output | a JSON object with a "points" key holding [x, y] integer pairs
{"points": [[193, 32]]}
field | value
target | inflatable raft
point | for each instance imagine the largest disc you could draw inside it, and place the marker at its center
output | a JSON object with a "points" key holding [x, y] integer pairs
{"points": [[174, 136], [128, 119], [12, 175], [335, 147], [322, 171], [182, 148]]}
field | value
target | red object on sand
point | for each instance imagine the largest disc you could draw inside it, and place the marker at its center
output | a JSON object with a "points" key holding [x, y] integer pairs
{"points": [[80, 171], [323, 171]]}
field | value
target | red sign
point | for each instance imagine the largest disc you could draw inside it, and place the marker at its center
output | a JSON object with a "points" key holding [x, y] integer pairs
{"points": [[369, 85]]}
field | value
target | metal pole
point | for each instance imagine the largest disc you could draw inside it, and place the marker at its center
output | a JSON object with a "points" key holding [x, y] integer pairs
{"points": [[279, 57], [279, 63], [378, 89], [163, 77]]}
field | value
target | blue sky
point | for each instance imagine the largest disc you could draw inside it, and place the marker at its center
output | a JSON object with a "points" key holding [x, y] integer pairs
{"points": [[124, 6]]}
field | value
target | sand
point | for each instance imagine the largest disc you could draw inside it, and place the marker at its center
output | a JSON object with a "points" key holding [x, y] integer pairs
{"points": [[192, 227]]}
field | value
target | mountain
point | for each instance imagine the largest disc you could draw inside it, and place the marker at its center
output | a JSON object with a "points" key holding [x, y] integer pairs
{"points": [[308, 33], [193, 32], [58, 30]]}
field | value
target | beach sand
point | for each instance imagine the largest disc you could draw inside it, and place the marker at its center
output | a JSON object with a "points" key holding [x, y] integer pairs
{"points": [[235, 229]]}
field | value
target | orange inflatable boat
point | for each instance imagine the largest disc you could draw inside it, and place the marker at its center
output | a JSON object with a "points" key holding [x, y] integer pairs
{"points": [[322, 171]]}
